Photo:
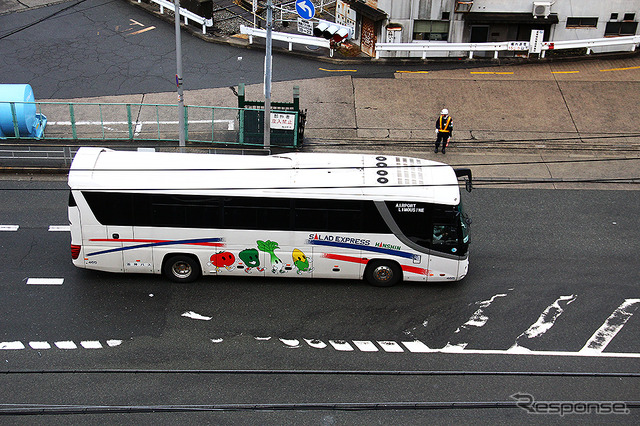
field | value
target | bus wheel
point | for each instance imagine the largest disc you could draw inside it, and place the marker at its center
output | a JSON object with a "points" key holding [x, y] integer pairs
{"points": [[383, 274], [181, 269]]}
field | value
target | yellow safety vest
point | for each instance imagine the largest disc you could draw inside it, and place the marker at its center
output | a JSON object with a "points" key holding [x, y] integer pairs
{"points": [[446, 125]]}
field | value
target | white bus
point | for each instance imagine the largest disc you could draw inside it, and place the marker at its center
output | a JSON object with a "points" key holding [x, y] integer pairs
{"points": [[385, 218]]}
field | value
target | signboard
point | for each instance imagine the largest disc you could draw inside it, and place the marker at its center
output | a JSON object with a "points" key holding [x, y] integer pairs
{"points": [[305, 9], [518, 45], [305, 27], [283, 121], [535, 45]]}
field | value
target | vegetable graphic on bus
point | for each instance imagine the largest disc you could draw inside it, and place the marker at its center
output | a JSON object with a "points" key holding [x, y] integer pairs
{"points": [[223, 259], [277, 266], [251, 259], [301, 261]]}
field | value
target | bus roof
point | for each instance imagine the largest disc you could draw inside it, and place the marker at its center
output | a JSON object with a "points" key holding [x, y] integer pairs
{"points": [[315, 175]]}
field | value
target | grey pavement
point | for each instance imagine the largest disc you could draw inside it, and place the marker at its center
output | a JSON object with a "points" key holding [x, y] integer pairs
{"points": [[552, 122]]}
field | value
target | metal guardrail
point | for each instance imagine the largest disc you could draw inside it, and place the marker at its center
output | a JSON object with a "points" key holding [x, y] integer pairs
{"points": [[186, 14], [424, 47], [287, 37], [144, 122]]}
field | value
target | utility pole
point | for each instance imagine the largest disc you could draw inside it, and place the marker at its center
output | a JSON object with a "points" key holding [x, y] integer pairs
{"points": [[267, 79], [179, 77]]}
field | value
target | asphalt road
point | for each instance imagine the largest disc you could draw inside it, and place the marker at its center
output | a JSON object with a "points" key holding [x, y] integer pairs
{"points": [[113, 48], [549, 307], [565, 261]]}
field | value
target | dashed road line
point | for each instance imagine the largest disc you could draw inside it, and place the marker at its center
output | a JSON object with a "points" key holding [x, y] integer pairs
{"points": [[9, 228], [491, 72], [45, 281], [59, 228], [621, 69], [324, 69], [61, 344]]}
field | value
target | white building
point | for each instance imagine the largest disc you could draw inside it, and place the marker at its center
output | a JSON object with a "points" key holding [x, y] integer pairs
{"points": [[477, 21]]}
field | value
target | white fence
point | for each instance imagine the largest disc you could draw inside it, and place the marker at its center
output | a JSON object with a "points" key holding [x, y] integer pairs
{"points": [[186, 14], [287, 37], [425, 47]]}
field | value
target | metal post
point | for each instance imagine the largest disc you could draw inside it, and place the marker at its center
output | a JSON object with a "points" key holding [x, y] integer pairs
{"points": [[179, 76], [267, 79]]}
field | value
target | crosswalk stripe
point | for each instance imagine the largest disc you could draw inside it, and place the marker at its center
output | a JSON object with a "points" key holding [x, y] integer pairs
{"points": [[607, 331]]}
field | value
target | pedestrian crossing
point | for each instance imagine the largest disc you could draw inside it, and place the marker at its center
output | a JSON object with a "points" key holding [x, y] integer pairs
{"points": [[595, 346]]}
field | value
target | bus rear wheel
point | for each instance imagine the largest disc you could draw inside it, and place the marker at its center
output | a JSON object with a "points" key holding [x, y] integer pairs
{"points": [[181, 269], [382, 273]]}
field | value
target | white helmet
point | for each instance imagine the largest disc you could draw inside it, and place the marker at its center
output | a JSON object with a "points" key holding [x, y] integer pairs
{"points": [[444, 111]]}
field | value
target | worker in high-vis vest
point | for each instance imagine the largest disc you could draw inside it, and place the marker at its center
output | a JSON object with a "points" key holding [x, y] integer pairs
{"points": [[444, 127]]}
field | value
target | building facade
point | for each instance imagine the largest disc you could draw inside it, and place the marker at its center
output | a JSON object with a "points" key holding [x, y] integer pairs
{"points": [[478, 21]]}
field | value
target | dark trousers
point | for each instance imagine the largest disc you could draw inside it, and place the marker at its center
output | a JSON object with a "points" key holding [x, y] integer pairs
{"points": [[444, 138]]}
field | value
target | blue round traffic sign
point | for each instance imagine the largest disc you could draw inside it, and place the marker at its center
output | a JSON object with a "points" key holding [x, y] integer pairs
{"points": [[305, 9]]}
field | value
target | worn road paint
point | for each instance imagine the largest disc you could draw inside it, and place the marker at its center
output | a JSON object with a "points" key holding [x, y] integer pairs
{"points": [[59, 228], [9, 228], [193, 315], [607, 331], [546, 320], [365, 345]]}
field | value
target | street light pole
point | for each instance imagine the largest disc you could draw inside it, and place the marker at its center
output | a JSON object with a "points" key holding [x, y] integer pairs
{"points": [[267, 79], [179, 77]]}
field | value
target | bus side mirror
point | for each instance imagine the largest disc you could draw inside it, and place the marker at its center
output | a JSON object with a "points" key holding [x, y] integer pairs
{"points": [[464, 172]]}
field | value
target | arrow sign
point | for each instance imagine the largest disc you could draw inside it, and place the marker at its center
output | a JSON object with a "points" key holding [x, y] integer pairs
{"points": [[305, 9]]}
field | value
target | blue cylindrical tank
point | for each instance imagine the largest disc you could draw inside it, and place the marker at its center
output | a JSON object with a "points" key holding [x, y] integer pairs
{"points": [[30, 124]]}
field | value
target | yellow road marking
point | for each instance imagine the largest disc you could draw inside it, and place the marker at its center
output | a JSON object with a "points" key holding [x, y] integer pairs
{"points": [[323, 69], [136, 22], [621, 69], [564, 72], [414, 72], [141, 31], [490, 72]]}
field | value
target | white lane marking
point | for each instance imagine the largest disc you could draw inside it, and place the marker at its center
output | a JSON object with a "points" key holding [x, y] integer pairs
{"points": [[66, 344], [9, 228], [292, 343], [63, 344], [45, 281], [262, 338], [193, 315], [91, 344], [416, 346], [59, 228], [390, 346], [315, 343], [11, 345], [365, 345], [607, 331], [341, 345], [546, 320], [217, 340]]}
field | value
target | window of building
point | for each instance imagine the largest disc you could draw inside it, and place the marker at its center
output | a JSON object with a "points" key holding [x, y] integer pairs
{"points": [[620, 28], [445, 16], [430, 30], [614, 16], [582, 22], [629, 17]]}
